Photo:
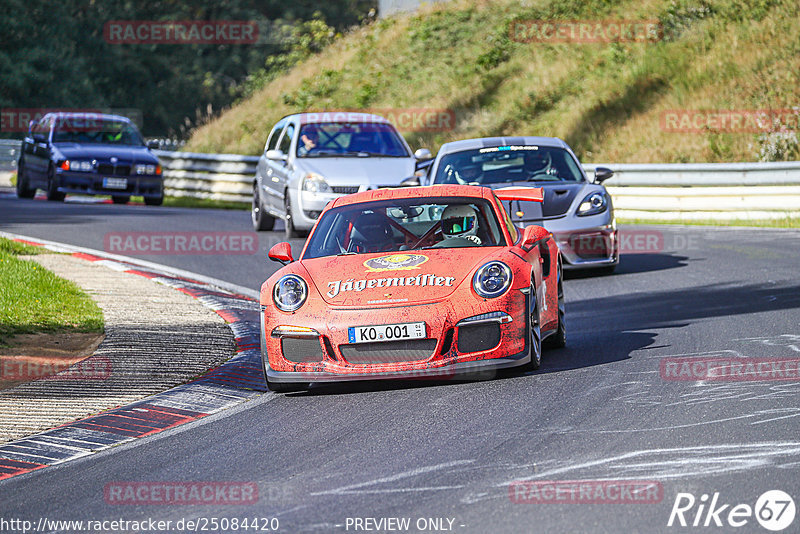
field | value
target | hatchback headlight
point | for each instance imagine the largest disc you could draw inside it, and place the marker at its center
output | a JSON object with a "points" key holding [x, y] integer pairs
{"points": [[593, 204], [290, 293], [315, 183], [492, 279]]}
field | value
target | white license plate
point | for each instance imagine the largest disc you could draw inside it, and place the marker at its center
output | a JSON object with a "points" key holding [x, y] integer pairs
{"points": [[115, 183], [386, 332]]}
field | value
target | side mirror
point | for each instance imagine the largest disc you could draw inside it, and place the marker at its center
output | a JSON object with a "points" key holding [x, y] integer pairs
{"points": [[423, 153], [153, 144], [531, 235], [282, 253], [276, 155], [411, 181], [601, 174]]}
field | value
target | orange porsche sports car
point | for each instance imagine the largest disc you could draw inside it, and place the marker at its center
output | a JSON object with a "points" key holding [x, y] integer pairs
{"points": [[412, 282]]}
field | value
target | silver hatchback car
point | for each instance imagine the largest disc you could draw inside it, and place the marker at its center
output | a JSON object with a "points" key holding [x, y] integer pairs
{"points": [[577, 210], [313, 158]]}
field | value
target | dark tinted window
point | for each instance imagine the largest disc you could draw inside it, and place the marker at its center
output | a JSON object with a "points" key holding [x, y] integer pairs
{"points": [[275, 134], [286, 140]]}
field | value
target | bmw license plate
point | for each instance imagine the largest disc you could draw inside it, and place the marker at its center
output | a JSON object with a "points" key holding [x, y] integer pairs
{"points": [[115, 183], [386, 332]]}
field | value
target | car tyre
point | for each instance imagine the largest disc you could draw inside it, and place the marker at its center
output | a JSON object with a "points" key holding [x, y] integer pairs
{"points": [[291, 231], [120, 199], [23, 189], [154, 201], [559, 338], [261, 220], [53, 194], [536, 335]]}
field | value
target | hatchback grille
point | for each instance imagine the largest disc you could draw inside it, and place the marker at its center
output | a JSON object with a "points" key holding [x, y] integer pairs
{"points": [[345, 189], [389, 351]]}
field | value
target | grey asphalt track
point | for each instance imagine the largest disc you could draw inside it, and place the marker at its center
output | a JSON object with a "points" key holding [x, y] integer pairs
{"points": [[598, 409]]}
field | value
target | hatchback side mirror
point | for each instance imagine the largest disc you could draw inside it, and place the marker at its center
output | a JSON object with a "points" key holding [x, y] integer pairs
{"points": [[601, 174], [423, 153], [276, 155]]}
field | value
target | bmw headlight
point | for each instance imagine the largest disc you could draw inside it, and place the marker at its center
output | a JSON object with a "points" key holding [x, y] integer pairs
{"points": [[290, 293], [147, 169], [492, 279], [81, 166], [315, 183], [593, 204]]}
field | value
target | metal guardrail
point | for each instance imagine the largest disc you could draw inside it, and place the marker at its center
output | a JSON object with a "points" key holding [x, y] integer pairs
{"points": [[640, 190]]}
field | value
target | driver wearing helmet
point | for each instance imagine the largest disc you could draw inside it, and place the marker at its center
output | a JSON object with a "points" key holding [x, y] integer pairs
{"points": [[459, 226], [537, 162]]}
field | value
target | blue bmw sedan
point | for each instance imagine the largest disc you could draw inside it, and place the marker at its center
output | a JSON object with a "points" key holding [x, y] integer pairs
{"points": [[90, 154]]}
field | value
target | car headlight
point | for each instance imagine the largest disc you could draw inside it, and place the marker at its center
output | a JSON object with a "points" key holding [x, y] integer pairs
{"points": [[80, 165], [290, 293], [492, 279], [593, 204], [315, 183], [147, 168]]}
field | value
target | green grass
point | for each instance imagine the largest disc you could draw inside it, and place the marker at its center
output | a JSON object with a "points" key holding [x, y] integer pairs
{"points": [[605, 99], [187, 202], [758, 223], [32, 299]]}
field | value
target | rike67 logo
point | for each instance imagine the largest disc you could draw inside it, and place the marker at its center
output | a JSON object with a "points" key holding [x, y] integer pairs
{"points": [[774, 510]]}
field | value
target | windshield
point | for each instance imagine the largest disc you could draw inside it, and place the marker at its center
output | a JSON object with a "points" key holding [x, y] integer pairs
{"points": [[96, 130], [405, 224], [349, 139], [495, 165]]}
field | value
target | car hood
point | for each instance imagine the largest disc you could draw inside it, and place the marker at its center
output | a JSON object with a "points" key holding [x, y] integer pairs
{"points": [[359, 171], [105, 152], [392, 279], [558, 198]]}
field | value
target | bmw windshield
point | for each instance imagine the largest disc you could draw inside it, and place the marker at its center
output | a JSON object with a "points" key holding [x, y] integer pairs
{"points": [[91, 129], [496, 165], [405, 224]]}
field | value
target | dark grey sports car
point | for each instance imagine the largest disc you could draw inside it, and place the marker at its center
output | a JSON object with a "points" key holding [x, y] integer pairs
{"points": [[90, 154]]}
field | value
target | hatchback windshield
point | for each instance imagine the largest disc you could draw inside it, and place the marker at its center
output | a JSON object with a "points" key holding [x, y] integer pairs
{"points": [[92, 129], [349, 139], [492, 165], [405, 224]]}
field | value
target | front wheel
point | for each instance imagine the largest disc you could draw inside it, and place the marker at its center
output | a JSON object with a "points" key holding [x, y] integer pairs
{"points": [[291, 231], [261, 219], [120, 199], [154, 201], [536, 334], [53, 194], [23, 188]]}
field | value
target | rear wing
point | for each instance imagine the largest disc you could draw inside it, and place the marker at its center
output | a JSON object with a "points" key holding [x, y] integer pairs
{"points": [[529, 194]]}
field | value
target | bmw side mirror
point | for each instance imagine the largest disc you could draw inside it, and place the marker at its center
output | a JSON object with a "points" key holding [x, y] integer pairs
{"points": [[601, 174], [423, 153], [276, 154], [282, 253]]}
